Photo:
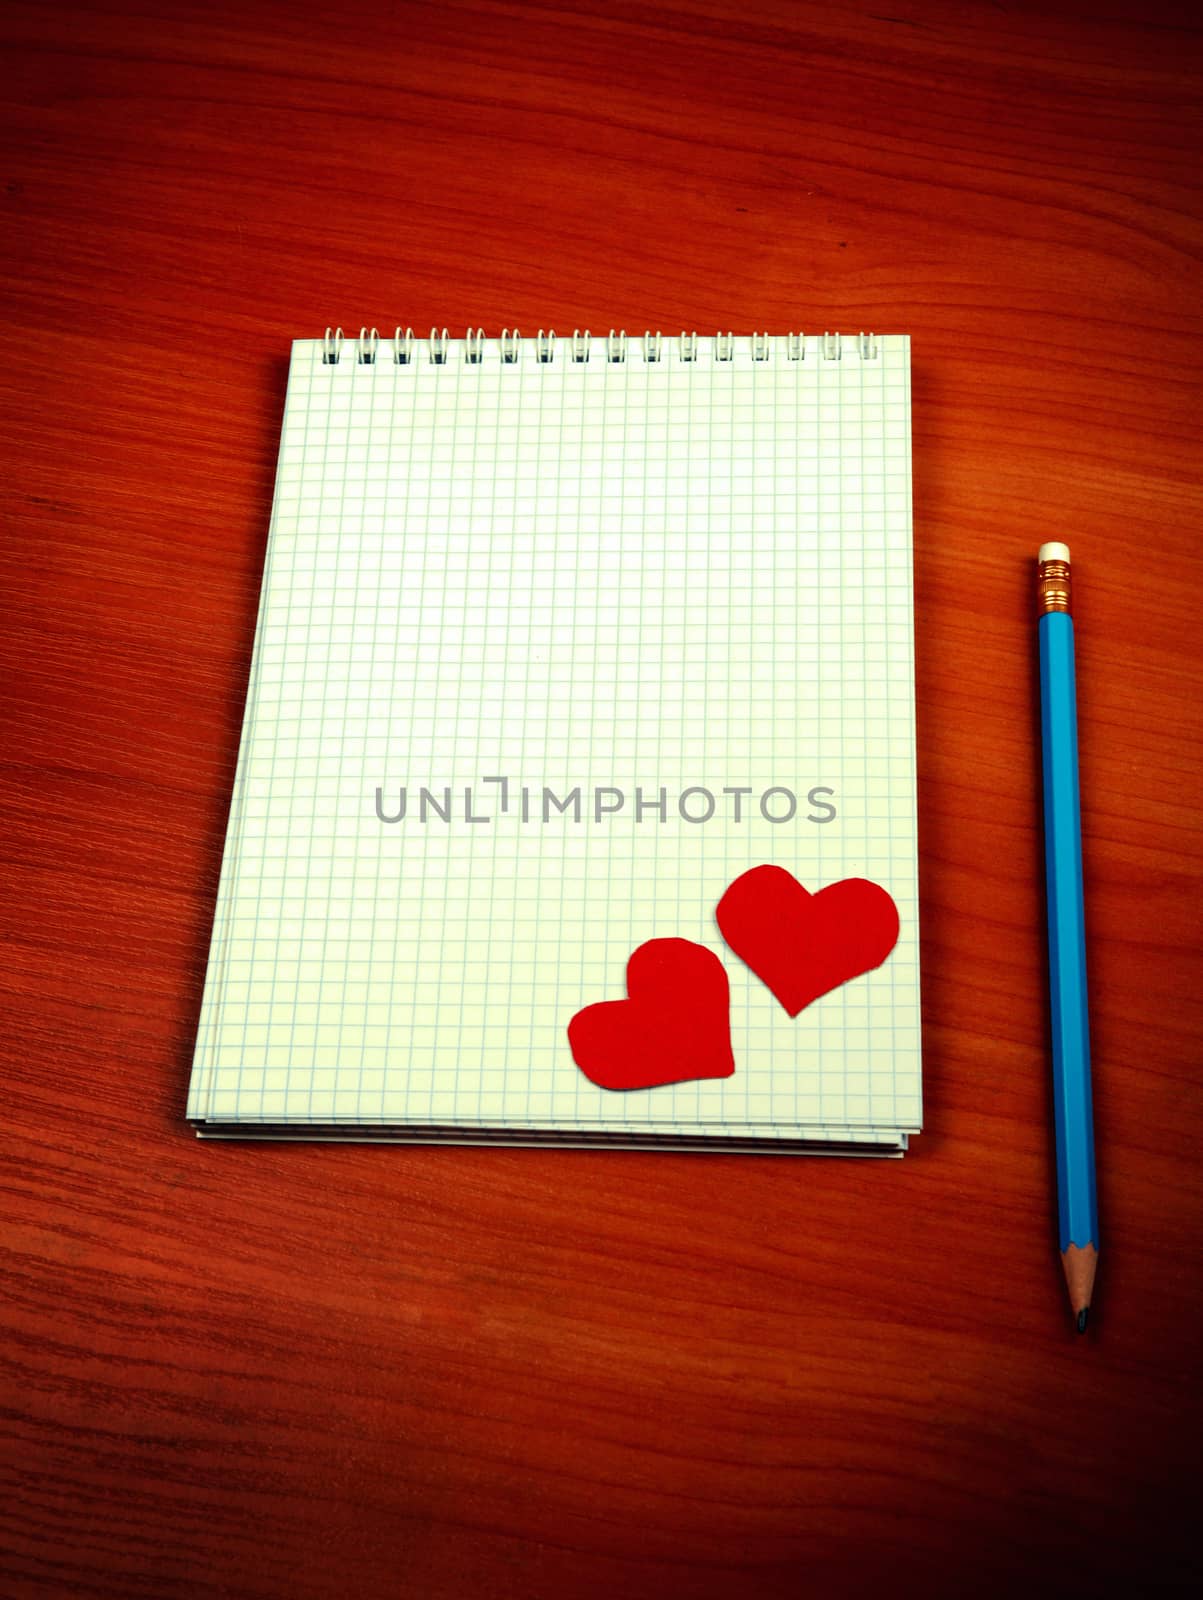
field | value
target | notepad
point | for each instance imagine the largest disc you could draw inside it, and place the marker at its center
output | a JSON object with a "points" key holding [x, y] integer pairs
{"points": [[558, 640]]}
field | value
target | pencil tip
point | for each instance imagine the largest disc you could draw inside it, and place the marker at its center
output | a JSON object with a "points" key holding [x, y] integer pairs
{"points": [[1083, 1318]]}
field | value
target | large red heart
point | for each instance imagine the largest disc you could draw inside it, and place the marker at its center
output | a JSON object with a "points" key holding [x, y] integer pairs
{"points": [[800, 944], [675, 1025]]}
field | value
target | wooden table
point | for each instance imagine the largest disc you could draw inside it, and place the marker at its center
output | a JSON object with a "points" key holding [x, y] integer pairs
{"points": [[313, 1371]]}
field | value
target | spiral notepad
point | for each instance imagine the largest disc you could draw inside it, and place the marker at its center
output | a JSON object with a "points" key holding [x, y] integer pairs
{"points": [[558, 640]]}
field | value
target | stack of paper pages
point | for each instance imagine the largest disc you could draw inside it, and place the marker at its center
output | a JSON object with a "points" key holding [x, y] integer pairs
{"points": [[559, 642]]}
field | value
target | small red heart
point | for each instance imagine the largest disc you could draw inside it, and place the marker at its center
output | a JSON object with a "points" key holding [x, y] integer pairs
{"points": [[675, 1026], [800, 944]]}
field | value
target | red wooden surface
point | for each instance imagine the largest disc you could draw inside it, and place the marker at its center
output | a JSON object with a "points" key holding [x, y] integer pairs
{"points": [[312, 1371]]}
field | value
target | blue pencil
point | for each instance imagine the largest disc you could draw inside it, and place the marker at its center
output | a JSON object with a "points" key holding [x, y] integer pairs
{"points": [[1076, 1201]]}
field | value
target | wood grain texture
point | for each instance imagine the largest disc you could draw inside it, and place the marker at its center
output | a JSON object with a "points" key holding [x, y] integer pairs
{"points": [[316, 1372]]}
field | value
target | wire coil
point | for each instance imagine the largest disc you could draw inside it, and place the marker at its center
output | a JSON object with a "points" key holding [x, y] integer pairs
{"points": [[651, 348]]}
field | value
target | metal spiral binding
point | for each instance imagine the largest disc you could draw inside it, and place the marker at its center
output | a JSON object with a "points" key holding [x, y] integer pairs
{"points": [[618, 347]]}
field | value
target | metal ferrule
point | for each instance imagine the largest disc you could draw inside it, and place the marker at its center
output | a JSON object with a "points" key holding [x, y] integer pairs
{"points": [[1052, 586]]}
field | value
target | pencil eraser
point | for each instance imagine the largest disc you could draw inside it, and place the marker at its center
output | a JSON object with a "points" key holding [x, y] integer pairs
{"points": [[1053, 552]]}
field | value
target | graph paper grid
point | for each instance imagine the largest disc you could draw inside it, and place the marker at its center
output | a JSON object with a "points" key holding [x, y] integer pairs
{"points": [[685, 583]]}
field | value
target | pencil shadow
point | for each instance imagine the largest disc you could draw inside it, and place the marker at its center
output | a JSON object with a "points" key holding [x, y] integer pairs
{"points": [[1036, 877]]}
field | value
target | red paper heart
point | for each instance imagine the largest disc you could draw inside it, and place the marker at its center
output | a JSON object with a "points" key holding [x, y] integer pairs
{"points": [[675, 1026], [803, 945]]}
